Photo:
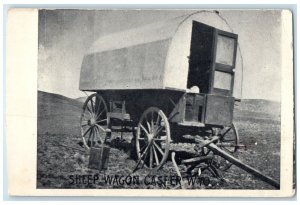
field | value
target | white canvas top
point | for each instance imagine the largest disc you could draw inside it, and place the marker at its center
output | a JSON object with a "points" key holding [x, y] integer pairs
{"points": [[141, 35], [154, 56]]}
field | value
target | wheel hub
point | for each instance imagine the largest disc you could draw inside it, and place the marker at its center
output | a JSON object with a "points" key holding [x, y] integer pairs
{"points": [[150, 137], [91, 122]]}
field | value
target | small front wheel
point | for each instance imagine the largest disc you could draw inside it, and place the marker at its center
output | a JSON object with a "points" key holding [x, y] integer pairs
{"points": [[229, 141]]}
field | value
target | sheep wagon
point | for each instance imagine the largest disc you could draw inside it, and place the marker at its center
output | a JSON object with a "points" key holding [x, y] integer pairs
{"points": [[163, 82]]}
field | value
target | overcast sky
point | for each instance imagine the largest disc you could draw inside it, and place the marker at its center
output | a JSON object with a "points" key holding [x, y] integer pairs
{"points": [[66, 35]]}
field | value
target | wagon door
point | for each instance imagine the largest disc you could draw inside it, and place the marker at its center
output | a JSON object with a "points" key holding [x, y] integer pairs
{"points": [[219, 102], [201, 56], [211, 68], [212, 59]]}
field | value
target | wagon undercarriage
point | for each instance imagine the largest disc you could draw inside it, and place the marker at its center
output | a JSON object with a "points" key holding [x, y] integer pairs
{"points": [[155, 134], [153, 131]]}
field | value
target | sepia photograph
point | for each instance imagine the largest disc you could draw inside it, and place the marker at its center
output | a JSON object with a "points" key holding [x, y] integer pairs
{"points": [[159, 99]]}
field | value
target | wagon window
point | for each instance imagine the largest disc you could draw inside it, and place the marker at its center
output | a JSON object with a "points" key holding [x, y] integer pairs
{"points": [[225, 50], [222, 80]]}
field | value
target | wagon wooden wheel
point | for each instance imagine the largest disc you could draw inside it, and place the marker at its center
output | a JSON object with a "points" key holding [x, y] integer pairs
{"points": [[229, 141], [93, 121], [152, 139]]}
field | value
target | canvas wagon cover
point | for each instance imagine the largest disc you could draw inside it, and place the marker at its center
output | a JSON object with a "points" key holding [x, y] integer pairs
{"points": [[154, 56]]}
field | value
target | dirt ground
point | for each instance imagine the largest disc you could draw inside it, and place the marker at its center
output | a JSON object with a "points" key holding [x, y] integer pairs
{"points": [[61, 161]]}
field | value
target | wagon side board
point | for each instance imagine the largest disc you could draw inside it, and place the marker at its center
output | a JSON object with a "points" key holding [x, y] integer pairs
{"points": [[181, 108], [204, 109], [218, 110], [137, 101]]}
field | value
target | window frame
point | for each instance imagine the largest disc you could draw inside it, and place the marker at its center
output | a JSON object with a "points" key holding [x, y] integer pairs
{"points": [[222, 67]]}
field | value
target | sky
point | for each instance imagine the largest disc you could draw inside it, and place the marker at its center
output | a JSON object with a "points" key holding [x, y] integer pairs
{"points": [[66, 35]]}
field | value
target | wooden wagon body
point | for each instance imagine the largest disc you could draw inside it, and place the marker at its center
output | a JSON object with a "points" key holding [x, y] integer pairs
{"points": [[181, 72]]}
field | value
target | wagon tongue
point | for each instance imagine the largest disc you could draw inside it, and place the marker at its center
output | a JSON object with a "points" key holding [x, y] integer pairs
{"points": [[242, 165]]}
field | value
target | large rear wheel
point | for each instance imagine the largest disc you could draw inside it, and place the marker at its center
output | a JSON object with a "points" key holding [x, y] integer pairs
{"points": [[93, 121], [153, 139]]}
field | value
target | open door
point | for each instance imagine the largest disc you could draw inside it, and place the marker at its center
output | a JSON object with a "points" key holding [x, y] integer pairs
{"points": [[225, 57], [201, 56], [212, 60]]}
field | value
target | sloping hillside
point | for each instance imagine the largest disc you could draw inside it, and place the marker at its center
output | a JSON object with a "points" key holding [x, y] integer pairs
{"points": [[262, 110], [260, 105], [57, 114], [45, 97], [81, 99]]}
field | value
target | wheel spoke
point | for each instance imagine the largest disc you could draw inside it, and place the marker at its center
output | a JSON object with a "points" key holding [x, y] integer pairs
{"points": [[99, 115], [98, 106], [89, 110], [101, 120], [142, 155], [94, 136], [97, 131], [91, 132], [152, 122], [157, 119], [146, 131], [158, 148], [145, 151], [84, 120], [85, 124], [151, 157], [99, 135], [149, 127], [92, 105], [146, 154], [86, 131], [86, 115], [101, 128], [157, 131], [226, 131], [145, 146], [160, 139], [155, 156]]}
